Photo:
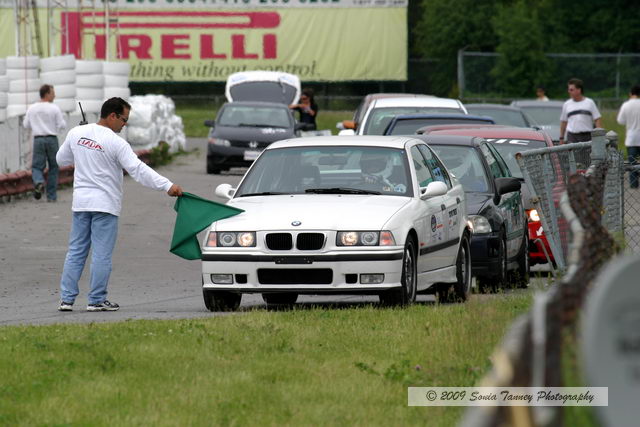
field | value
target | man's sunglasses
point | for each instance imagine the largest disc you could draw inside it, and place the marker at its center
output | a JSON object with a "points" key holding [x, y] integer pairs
{"points": [[124, 119]]}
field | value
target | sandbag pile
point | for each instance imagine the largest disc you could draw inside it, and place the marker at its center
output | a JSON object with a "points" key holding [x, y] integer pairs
{"points": [[60, 72], [152, 119], [4, 89], [116, 80], [24, 83]]}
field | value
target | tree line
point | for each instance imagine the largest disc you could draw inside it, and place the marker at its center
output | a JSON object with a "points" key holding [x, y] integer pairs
{"points": [[522, 31]]}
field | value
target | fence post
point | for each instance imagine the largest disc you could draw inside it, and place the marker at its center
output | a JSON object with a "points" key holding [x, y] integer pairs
{"points": [[598, 146], [461, 73]]}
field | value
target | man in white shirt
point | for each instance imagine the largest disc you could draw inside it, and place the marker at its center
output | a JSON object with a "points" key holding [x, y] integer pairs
{"points": [[45, 120], [629, 115], [99, 156], [579, 114]]}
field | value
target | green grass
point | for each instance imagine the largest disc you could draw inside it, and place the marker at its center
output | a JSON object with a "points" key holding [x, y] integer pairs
{"points": [[303, 367], [193, 118]]}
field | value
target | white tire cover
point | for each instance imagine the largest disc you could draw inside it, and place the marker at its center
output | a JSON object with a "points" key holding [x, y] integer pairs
{"points": [[3, 114], [4, 84], [16, 110], [4, 99], [116, 81], [23, 62], [3, 66], [59, 77], [117, 68], [111, 92], [89, 93], [23, 98], [88, 67], [89, 80], [56, 63], [66, 104], [65, 91], [89, 106], [29, 85], [21, 74]]}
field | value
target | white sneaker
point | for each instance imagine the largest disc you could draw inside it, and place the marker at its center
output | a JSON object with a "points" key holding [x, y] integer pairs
{"points": [[103, 306]]}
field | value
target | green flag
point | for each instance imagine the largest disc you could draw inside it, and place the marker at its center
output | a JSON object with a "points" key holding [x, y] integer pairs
{"points": [[194, 215]]}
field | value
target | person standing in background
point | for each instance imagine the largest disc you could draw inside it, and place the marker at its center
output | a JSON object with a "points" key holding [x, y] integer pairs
{"points": [[579, 114], [45, 120], [307, 108], [99, 156], [629, 116], [541, 94]]}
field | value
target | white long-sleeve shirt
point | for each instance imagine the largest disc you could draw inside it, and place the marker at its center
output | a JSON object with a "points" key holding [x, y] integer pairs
{"points": [[44, 118], [99, 156]]}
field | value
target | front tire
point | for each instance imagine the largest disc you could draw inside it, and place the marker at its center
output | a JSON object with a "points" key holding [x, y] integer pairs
{"points": [[460, 290], [406, 294], [221, 300]]}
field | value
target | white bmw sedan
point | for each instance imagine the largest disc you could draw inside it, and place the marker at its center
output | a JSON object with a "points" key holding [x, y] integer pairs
{"points": [[340, 215]]}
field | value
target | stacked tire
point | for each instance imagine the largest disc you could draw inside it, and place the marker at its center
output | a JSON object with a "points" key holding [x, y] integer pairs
{"points": [[60, 72], [23, 84], [116, 80], [89, 85], [4, 89]]}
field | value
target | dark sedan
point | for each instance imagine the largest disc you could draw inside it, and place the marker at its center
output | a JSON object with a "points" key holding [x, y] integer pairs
{"points": [[408, 124], [500, 240], [503, 114], [242, 130]]}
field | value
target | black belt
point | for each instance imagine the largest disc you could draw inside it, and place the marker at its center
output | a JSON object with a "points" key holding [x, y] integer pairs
{"points": [[580, 133], [45, 136]]}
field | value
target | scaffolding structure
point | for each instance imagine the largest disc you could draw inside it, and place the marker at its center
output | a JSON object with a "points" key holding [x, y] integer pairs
{"points": [[27, 40]]}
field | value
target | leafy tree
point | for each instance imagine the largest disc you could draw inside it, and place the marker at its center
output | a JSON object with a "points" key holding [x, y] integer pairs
{"points": [[522, 63]]}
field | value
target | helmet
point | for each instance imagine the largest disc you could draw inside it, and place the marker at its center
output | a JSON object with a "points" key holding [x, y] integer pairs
{"points": [[376, 164]]}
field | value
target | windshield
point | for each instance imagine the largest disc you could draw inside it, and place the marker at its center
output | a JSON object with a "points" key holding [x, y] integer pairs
{"points": [[545, 116], [465, 164], [501, 117], [508, 149], [379, 118], [253, 115], [266, 91], [329, 170], [410, 126]]}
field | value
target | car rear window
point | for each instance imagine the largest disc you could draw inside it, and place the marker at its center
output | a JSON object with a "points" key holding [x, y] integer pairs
{"points": [[410, 126], [257, 116], [379, 118]]}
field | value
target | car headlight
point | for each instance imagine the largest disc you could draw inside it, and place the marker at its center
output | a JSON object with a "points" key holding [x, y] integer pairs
{"points": [[231, 239], [479, 224], [220, 141], [365, 238], [533, 215]]}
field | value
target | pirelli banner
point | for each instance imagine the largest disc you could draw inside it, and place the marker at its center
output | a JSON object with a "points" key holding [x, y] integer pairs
{"points": [[206, 40]]}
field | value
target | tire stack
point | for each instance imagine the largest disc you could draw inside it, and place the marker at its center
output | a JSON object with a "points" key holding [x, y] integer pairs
{"points": [[89, 85], [60, 72], [4, 89], [152, 120], [24, 83], [116, 80]]}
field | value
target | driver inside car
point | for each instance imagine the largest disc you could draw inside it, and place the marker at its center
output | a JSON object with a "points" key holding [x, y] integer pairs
{"points": [[376, 170]]}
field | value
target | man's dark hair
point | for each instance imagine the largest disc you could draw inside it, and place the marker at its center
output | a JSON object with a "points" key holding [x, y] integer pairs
{"points": [[45, 90], [114, 105], [635, 90], [577, 83]]}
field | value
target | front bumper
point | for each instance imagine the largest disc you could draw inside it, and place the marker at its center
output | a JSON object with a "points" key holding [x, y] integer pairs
{"points": [[220, 155], [485, 249], [333, 272]]}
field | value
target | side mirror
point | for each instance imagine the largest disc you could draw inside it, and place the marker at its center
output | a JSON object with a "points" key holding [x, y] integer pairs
{"points": [[226, 191], [210, 123], [435, 188], [346, 132], [504, 186]]}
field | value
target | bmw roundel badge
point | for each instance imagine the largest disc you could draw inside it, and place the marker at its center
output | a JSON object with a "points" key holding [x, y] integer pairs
{"points": [[296, 223]]}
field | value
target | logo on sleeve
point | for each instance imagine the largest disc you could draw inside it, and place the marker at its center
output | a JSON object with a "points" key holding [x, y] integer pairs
{"points": [[90, 143]]}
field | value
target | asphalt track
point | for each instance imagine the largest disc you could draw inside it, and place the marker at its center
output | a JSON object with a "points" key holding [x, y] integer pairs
{"points": [[147, 280]]}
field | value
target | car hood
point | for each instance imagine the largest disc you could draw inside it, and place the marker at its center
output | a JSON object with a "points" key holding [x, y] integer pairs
{"points": [[248, 133], [313, 211], [476, 201]]}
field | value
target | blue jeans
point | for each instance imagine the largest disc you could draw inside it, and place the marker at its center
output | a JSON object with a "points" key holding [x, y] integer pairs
{"points": [[96, 230], [634, 158], [44, 150]]}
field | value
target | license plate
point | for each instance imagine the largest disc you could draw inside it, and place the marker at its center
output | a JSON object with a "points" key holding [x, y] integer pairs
{"points": [[251, 155]]}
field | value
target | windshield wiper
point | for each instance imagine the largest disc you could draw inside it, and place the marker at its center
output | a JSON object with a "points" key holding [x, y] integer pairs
{"points": [[264, 193], [339, 190]]}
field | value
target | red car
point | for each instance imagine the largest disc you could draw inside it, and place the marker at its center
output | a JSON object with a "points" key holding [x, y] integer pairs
{"points": [[509, 141]]}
